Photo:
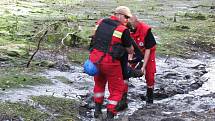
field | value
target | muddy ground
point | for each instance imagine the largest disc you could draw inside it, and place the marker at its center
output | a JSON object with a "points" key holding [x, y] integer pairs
{"points": [[184, 32], [184, 91]]}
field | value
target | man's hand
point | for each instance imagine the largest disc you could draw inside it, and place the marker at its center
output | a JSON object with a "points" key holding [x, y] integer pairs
{"points": [[143, 70], [130, 56]]}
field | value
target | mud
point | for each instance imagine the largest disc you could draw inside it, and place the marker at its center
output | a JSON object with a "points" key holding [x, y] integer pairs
{"points": [[196, 104], [176, 97], [184, 89]]}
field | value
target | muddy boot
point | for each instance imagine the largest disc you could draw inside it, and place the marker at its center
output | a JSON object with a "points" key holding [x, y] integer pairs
{"points": [[98, 110], [110, 116], [122, 105], [136, 73], [149, 96]]}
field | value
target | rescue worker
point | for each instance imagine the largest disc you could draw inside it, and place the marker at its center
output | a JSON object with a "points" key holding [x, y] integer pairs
{"points": [[144, 38], [110, 42]]}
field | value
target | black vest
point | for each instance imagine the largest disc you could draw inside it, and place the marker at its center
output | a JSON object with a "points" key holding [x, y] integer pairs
{"points": [[104, 33]]}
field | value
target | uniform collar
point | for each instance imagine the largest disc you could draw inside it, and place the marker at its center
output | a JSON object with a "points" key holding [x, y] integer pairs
{"points": [[115, 18], [138, 25]]}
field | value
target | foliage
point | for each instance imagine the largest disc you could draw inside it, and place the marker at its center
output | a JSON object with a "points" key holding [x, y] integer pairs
{"points": [[23, 111], [16, 78], [78, 56], [9, 26], [65, 108]]}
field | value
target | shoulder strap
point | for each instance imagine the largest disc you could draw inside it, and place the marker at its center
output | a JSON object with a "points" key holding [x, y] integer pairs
{"points": [[104, 35]]}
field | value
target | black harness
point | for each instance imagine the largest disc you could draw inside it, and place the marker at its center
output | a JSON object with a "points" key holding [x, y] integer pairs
{"points": [[103, 35]]}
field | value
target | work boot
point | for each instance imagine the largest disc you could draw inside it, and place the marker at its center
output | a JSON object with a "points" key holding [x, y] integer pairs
{"points": [[136, 73], [110, 116], [149, 96], [122, 104], [98, 110]]}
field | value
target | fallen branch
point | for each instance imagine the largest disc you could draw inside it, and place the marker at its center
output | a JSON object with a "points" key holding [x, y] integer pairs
{"points": [[38, 47], [62, 41]]}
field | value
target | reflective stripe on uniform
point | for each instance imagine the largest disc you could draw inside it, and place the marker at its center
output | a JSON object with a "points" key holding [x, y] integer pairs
{"points": [[100, 94], [112, 102], [117, 34]]}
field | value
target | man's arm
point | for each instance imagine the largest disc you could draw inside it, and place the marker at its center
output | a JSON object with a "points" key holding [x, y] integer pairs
{"points": [[146, 58], [149, 43], [127, 42]]}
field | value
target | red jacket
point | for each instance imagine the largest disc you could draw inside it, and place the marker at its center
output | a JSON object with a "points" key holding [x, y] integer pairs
{"points": [[95, 54], [139, 37]]}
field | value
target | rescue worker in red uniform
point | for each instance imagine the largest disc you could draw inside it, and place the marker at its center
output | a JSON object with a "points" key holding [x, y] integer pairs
{"points": [[144, 38], [111, 40]]}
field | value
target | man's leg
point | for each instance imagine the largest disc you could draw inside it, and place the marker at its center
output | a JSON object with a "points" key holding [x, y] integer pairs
{"points": [[99, 90], [150, 87], [116, 87], [123, 103]]}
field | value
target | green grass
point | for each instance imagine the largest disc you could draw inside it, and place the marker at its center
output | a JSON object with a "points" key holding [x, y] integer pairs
{"points": [[175, 40], [17, 77], [28, 113], [179, 38], [78, 56], [66, 109], [169, 42], [62, 109]]}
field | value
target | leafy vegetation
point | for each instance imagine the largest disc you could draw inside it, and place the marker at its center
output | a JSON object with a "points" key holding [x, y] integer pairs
{"points": [[16, 78], [186, 36], [18, 111], [66, 109], [78, 56]]}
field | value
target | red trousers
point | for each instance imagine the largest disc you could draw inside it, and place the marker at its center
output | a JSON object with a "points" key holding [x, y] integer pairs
{"points": [[150, 71], [111, 74], [150, 79]]}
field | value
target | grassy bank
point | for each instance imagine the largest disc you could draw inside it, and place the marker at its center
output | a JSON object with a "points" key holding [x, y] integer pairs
{"points": [[41, 108], [16, 78]]}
